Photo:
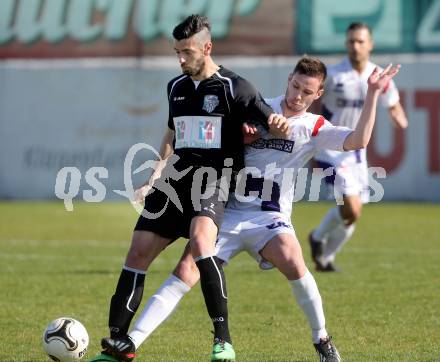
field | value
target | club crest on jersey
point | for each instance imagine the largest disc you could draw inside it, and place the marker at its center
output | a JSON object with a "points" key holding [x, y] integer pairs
{"points": [[210, 102]]}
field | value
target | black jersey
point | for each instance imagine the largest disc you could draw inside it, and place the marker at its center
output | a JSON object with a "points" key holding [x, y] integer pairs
{"points": [[208, 118]]}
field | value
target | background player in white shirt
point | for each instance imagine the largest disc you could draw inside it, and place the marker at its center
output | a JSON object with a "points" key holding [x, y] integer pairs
{"points": [[263, 227], [344, 95]]}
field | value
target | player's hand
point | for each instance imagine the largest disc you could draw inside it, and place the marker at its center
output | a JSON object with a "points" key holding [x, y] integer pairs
{"points": [[378, 81], [250, 133], [140, 193], [278, 126]]}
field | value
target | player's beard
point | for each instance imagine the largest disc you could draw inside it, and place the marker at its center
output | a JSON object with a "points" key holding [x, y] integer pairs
{"points": [[358, 59], [195, 70]]}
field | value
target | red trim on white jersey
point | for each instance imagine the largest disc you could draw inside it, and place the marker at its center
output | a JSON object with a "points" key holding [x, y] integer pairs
{"points": [[319, 123]]}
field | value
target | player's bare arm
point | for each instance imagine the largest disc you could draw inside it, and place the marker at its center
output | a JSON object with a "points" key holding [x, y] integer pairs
{"points": [[361, 135], [398, 116], [166, 149]]}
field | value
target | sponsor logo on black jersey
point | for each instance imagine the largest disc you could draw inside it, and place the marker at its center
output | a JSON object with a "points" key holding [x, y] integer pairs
{"points": [[180, 130], [206, 130], [274, 144]]}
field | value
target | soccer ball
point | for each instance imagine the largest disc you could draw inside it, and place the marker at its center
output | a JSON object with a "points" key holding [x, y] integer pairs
{"points": [[65, 340]]}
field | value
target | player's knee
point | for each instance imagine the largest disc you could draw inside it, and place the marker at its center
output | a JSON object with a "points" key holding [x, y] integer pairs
{"points": [[137, 257], [201, 245], [136, 251], [144, 248], [293, 269], [187, 272], [291, 264]]}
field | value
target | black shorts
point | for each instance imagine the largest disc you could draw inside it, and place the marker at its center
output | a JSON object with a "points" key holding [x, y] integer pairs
{"points": [[173, 223]]}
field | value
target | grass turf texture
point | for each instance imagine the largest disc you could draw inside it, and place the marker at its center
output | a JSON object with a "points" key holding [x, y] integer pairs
{"points": [[384, 306]]}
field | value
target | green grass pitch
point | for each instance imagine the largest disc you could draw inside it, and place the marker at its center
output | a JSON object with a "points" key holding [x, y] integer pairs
{"points": [[383, 306]]}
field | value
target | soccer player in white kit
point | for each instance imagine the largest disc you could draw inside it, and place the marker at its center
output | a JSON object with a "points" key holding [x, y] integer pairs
{"points": [[344, 95], [262, 227]]}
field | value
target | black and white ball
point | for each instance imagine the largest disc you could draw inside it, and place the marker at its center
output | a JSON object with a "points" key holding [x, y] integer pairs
{"points": [[65, 340]]}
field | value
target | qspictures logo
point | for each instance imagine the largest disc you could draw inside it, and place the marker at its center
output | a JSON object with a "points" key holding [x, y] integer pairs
{"points": [[251, 184]]}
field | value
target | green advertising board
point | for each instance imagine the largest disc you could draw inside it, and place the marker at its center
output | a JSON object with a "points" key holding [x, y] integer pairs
{"points": [[29, 21], [403, 26]]}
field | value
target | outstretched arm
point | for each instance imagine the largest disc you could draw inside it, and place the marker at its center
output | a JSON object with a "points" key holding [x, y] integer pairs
{"points": [[361, 135], [398, 116]]}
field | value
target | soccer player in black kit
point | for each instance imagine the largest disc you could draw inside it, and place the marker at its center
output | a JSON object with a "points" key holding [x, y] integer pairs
{"points": [[207, 107]]}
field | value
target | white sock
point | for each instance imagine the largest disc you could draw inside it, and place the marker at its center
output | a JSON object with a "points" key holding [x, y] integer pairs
{"points": [[308, 298], [336, 239], [158, 308], [330, 222]]}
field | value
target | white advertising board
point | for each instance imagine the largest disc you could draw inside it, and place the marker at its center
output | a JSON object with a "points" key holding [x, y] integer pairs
{"points": [[88, 113]]}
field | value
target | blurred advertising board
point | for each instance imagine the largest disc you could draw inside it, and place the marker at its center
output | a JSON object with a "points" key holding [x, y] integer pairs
{"points": [[399, 26], [88, 113], [101, 28], [97, 28]]}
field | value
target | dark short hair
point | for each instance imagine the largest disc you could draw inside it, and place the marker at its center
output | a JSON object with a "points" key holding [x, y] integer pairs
{"points": [[311, 67], [359, 26], [190, 26]]}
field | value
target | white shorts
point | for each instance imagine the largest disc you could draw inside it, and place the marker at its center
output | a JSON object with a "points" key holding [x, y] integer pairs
{"points": [[250, 231], [351, 172], [353, 180]]}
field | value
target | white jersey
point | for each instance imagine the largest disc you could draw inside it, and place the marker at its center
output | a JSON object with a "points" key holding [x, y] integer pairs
{"points": [[342, 102], [279, 160]]}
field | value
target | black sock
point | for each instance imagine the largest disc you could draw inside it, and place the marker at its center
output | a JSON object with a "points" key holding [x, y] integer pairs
{"points": [[212, 281], [125, 302]]}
